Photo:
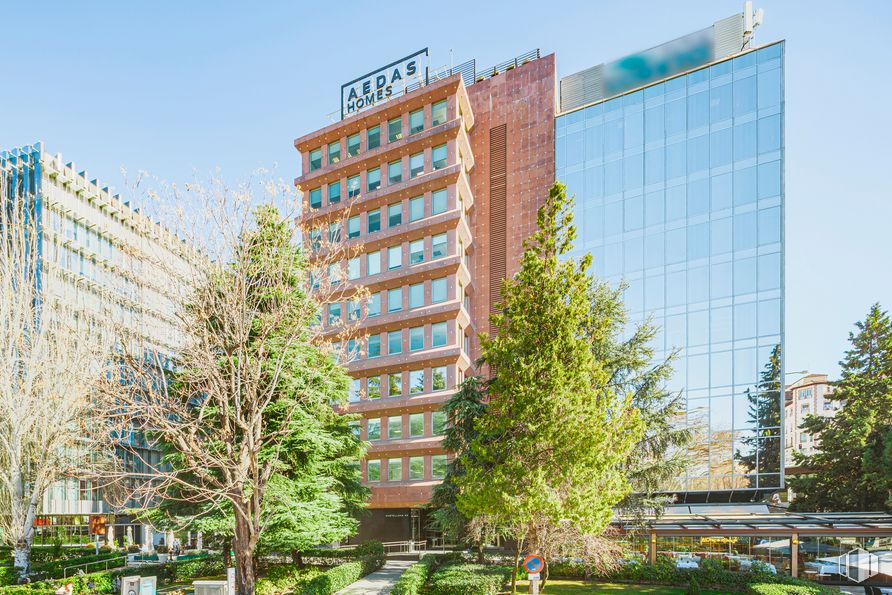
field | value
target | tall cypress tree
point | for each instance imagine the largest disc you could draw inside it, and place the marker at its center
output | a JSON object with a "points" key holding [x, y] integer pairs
{"points": [[764, 446], [852, 468]]}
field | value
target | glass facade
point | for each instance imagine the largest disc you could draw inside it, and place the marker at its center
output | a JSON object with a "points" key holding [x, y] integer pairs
{"points": [[679, 194]]}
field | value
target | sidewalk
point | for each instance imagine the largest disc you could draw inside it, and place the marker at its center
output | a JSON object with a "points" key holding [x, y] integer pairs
{"points": [[379, 582]]}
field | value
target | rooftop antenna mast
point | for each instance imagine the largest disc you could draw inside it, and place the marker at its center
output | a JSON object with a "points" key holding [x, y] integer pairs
{"points": [[751, 20]]}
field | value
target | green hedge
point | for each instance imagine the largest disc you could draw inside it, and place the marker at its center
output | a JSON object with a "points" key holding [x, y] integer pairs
{"points": [[284, 578], [57, 568], [335, 579], [776, 589], [414, 578], [7, 576], [469, 579]]}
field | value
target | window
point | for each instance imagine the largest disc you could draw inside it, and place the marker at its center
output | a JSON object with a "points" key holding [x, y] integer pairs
{"points": [[416, 467], [334, 152], [416, 165], [374, 429], [438, 423], [354, 428], [374, 137], [353, 268], [394, 469], [374, 388], [394, 214], [334, 314], [416, 382], [416, 295], [438, 157], [374, 307], [353, 227], [353, 310], [394, 427], [353, 145], [438, 246], [352, 350], [352, 186], [394, 384], [374, 470], [438, 202], [394, 342], [373, 263], [395, 129], [315, 238], [394, 172], [334, 193], [438, 113], [438, 466], [438, 334], [373, 221], [395, 257], [416, 425], [416, 338], [438, 378], [395, 299], [355, 390], [373, 179], [374, 346], [416, 121], [416, 252], [315, 198], [315, 159], [466, 343], [438, 290], [416, 208], [334, 233]]}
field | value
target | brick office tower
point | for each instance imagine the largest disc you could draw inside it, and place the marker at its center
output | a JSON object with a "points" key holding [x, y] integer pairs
{"points": [[437, 189]]}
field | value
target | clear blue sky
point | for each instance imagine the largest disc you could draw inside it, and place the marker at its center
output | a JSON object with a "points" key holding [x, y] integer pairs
{"points": [[176, 88]]}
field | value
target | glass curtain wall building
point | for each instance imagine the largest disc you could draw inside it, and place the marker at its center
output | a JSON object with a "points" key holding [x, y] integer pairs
{"points": [[680, 194]]}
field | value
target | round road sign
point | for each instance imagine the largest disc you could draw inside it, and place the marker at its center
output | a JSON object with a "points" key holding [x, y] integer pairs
{"points": [[533, 563]]}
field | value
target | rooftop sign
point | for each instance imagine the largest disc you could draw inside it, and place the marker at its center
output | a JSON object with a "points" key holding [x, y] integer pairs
{"points": [[388, 81]]}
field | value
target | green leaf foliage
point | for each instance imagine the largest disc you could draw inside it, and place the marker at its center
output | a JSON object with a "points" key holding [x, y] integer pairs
{"points": [[469, 579]]}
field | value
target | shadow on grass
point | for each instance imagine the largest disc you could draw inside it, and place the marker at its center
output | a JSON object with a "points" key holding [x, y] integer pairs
{"points": [[561, 587]]}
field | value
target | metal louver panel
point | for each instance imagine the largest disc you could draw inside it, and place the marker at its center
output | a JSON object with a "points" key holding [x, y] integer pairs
{"points": [[728, 36], [582, 87], [498, 211]]}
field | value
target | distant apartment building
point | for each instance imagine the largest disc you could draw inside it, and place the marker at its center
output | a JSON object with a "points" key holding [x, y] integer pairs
{"points": [[100, 259], [807, 396]]}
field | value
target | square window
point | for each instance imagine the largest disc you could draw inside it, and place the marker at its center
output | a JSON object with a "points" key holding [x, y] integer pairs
{"points": [[416, 295], [438, 113], [438, 466], [394, 342], [334, 233], [374, 307], [353, 227], [353, 145], [395, 299], [353, 269], [394, 257], [438, 157], [395, 214], [416, 252], [315, 159], [352, 186], [395, 384], [395, 129], [373, 179], [394, 469], [416, 425], [354, 428], [334, 193], [438, 201], [334, 274], [352, 350], [374, 389], [416, 467], [416, 338], [438, 378], [438, 423], [374, 346], [373, 263], [374, 137], [373, 221], [353, 310], [374, 470], [438, 334], [394, 427], [416, 382], [438, 290], [438, 246], [334, 152], [334, 314], [315, 198], [355, 390], [394, 172], [416, 165], [373, 429], [416, 121], [416, 208]]}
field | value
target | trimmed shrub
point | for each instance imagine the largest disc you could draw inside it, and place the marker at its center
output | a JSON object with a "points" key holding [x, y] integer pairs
{"points": [[693, 587], [335, 579], [97, 562], [775, 589], [369, 548], [469, 579], [285, 577], [187, 570], [7, 576], [414, 578]]}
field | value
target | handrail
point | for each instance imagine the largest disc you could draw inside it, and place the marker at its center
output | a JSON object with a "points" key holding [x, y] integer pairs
{"points": [[106, 562]]}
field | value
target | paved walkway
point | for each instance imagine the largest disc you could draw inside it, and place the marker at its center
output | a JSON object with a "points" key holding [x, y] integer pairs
{"points": [[379, 582]]}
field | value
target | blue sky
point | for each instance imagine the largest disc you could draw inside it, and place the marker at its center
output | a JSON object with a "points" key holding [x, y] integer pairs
{"points": [[179, 88]]}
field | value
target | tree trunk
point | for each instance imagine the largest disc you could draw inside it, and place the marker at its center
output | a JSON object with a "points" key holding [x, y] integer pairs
{"points": [[245, 570], [21, 559], [480, 558], [518, 546], [227, 553], [297, 558], [544, 575]]}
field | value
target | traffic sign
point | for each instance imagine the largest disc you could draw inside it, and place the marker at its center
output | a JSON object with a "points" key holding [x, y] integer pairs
{"points": [[533, 563], [533, 576]]}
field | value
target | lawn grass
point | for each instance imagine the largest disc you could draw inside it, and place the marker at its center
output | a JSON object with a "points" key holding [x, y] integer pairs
{"points": [[561, 587]]}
